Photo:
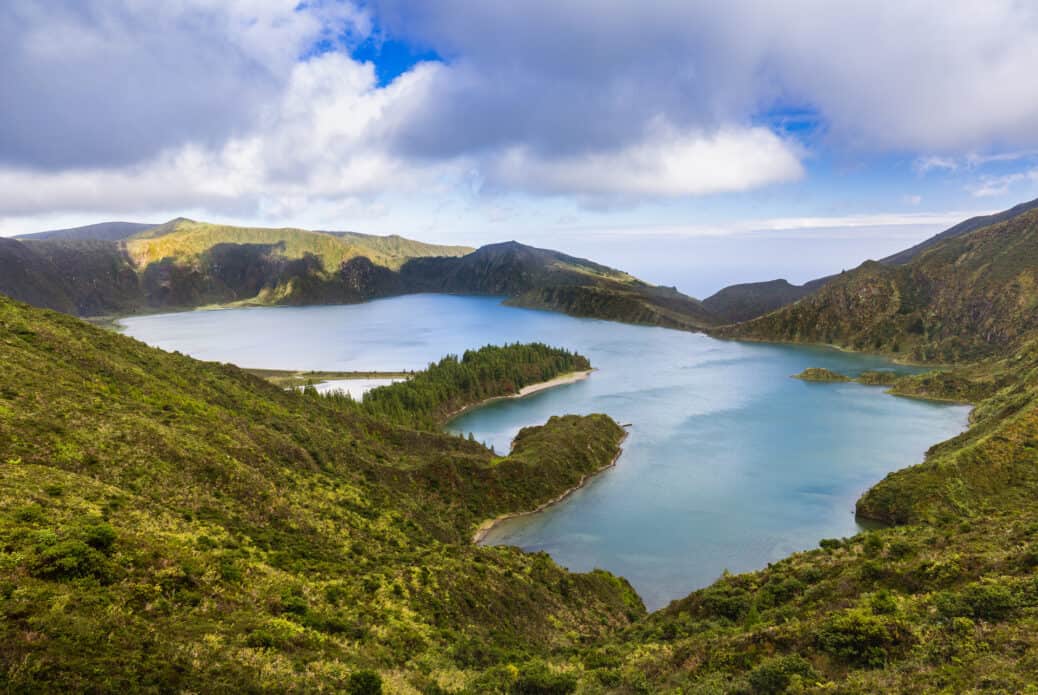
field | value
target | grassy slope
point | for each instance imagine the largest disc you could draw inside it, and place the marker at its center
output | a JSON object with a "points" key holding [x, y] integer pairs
{"points": [[963, 299], [167, 523], [184, 264], [187, 239]]}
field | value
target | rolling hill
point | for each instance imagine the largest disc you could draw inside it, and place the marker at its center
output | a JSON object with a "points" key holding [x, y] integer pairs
{"points": [[963, 298], [169, 524], [749, 300], [185, 264], [743, 302]]}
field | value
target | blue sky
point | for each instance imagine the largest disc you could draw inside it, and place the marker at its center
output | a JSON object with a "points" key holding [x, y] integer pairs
{"points": [[692, 143]]}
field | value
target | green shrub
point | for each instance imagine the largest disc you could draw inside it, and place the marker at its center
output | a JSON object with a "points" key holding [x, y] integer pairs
{"points": [[535, 678], [775, 675], [100, 537], [780, 589], [727, 601], [277, 633], [873, 545], [68, 559], [364, 683], [30, 514], [883, 602], [861, 638], [984, 601]]}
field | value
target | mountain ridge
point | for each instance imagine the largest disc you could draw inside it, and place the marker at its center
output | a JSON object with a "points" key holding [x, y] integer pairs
{"points": [[184, 264], [964, 298], [746, 301]]}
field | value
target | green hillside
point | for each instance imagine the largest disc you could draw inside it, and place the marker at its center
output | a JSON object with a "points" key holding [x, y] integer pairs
{"points": [[169, 524], [174, 525], [750, 300], [184, 264], [186, 239], [966, 298]]}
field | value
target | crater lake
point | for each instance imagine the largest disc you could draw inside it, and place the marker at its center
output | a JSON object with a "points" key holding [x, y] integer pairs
{"points": [[729, 464]]}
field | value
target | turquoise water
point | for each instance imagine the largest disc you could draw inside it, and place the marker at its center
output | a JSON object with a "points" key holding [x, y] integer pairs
{"points": [[730, 464]]}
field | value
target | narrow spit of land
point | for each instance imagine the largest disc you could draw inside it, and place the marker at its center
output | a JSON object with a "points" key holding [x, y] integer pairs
{"points": [[287, 378], [487, 526]]}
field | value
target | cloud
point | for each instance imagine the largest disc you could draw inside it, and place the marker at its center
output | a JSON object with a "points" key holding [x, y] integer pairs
{"points": [[317, 141], [989, 186], [225, 105], [565, 77], [785, 227], [91, 83], [665, 164], [924, 165]]}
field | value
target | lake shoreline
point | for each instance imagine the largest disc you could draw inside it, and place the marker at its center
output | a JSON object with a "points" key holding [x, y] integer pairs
{"points": [[561, 380], [484, 529]]}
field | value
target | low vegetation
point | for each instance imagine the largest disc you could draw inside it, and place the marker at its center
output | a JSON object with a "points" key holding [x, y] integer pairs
{"points": [[821, 374], [168, 524], [959, 300]]}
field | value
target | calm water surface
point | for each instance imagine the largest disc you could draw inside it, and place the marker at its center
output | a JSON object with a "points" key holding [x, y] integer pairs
{"points": [[730, 464]]}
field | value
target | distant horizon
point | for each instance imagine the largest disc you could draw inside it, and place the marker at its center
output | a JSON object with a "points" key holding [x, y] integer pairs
{"points": [[698, 265]]}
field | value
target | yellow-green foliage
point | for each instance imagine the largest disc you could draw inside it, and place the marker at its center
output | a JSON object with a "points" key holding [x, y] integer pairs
{"points": [[186, 240], [396, 249], [904, 610], [168, 524], [963, 299], [821, 374]]}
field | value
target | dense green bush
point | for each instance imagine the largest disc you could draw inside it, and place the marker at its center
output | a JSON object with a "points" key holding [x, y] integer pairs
{"points": [[861, 638], [980, 600], [535, 678], [364, 683], [773, 676]]}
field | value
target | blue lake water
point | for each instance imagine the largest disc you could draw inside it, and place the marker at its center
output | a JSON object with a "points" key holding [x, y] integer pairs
{"points": [[730, 463]]}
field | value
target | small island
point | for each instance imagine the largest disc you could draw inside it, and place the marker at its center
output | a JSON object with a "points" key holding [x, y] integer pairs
{"points": [[821, 374]]}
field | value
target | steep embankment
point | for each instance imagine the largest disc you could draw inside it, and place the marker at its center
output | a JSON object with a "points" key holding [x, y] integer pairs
{"points": [[962, 299], [169, 524], [185, 264], [748, 301]]}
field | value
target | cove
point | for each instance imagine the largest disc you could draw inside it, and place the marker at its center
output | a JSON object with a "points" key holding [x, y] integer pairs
{"points": [[729, 463]]}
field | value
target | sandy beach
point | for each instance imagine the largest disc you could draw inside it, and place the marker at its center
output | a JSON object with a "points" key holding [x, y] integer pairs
{"points": [[561, 380]]}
